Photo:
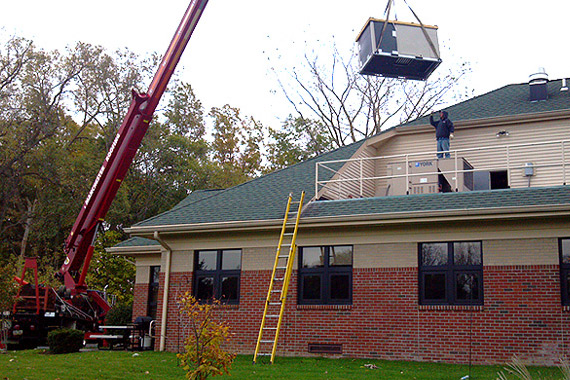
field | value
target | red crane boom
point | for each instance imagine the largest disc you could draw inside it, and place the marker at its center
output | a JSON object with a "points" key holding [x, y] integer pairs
{"points": [[79, 244]]}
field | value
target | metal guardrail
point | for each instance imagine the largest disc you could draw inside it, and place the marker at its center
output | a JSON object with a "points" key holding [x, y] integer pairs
{"points": [[516, 158]]}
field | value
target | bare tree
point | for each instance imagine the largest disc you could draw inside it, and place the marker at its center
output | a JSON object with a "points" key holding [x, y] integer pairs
{"points": [[352, 106]]}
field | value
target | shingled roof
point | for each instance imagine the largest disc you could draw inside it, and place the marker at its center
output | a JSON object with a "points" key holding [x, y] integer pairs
{"points": [[510, 100], [264, 198]]}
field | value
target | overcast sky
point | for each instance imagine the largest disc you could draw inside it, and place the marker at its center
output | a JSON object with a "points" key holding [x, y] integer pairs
{"points": [[226, 60]]}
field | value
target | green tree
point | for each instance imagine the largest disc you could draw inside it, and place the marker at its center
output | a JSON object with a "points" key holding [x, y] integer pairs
{"points": [[298, 140], [236, 147]]}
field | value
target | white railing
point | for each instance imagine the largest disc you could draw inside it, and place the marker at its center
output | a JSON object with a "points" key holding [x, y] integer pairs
{"points": [[362, 177]]}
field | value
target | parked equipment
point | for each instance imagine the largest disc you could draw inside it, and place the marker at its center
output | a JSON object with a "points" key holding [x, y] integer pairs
{"points": [[41, 308]]}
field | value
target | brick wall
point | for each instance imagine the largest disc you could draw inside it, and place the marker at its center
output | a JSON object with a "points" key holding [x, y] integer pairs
{"points": [[521, 315], [140, 299]]}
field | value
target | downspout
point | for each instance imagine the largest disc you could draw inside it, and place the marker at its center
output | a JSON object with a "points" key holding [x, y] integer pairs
{"points": [[166, 291]]}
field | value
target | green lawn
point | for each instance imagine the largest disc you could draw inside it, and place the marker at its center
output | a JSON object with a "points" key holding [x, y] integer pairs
{"points": [[121, 365]]}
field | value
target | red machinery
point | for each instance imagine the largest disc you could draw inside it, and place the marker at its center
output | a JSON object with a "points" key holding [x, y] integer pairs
{"points": [[40, 308]]}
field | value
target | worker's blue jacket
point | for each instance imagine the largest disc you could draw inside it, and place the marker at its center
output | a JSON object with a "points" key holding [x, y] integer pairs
{"points": [[443, 126]]}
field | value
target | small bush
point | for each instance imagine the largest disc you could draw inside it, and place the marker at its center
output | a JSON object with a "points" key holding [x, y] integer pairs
{"points": [[120, 315], [204, 356], [65, 341]]}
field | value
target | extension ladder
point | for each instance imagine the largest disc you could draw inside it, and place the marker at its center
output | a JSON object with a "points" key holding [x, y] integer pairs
{"points": [[277, 293]]}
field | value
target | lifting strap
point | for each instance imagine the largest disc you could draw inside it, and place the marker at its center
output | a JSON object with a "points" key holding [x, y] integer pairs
{"points": [[426, 35], [279, 283], [424, 31]]}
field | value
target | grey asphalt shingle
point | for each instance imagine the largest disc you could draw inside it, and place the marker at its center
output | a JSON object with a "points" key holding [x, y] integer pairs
{"points": [[533, 196], [506, 101]]}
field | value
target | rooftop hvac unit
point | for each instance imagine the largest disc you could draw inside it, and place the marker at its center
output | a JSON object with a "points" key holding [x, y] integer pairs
{"points": [[397, 49], [429, 176]]}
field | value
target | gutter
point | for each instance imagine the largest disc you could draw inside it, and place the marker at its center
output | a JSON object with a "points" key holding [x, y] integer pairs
{"points": [[166, 290], [489, 213]]}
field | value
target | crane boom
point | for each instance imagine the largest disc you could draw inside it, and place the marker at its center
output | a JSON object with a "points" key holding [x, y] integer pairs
{"points": [[79, 244]]}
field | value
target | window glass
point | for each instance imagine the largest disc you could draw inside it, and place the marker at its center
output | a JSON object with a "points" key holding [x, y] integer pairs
{"points": [[467, 286], [154, 274], [205, 288], [311, 287], [340, 255], [207, 260], [340, 286], [565, 251], [467, 253], [231, 259], [434, 254], [434, 286], [230, 286], [313, 257]]}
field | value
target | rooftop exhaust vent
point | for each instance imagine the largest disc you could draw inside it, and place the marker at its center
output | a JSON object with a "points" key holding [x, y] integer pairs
{"points": [[564, 86], [538, 85]]}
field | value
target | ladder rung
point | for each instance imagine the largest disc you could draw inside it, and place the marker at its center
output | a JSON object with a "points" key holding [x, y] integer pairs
{"points": [[275, 303], [276, 291], [267, 341], [260, 354], [278, 278], [272, 316], [288, 234], [284, 256], [280, 267], [270, 328]]}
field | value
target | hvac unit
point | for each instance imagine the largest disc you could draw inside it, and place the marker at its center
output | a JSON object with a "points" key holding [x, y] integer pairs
{"points": [[398, 49]]}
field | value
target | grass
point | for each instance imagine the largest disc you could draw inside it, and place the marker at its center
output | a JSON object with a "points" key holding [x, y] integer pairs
{"points": [[121, 365]]}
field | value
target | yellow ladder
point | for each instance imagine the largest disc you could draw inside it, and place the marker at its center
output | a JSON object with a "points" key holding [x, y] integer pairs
{"points": [[277, 293]]}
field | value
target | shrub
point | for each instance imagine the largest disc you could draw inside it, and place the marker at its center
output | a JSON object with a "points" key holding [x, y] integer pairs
{"points": [[120, 315], [65, 341], [204, 355]]}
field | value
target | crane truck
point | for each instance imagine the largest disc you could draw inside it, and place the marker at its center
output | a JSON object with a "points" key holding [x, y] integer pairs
{"points": [[40, 308]]}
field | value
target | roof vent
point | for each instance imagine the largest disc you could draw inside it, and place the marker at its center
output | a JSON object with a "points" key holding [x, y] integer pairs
{"points": [[564, 86], [538, 85]]}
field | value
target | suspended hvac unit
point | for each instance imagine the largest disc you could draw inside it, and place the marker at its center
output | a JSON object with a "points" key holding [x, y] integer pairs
{"points": [[397, 49]]}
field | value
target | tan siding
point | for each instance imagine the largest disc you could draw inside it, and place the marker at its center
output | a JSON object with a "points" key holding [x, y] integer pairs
{"points": [[547, 159], [258, 258], [143, 264], [521, 252], [142, 275], [182, 261], [402, 255], [353, 170]]}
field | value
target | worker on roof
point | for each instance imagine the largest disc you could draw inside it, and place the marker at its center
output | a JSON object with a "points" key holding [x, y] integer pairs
{"points": [[443, 132]]}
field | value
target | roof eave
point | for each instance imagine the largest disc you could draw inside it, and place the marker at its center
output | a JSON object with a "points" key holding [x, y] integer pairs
{"points": [[495, 213]]}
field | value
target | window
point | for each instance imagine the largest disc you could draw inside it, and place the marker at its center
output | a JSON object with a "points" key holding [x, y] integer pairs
{"points": [[152, 300], [217, 275], [564, 249], [325, 275], [451, 273]]}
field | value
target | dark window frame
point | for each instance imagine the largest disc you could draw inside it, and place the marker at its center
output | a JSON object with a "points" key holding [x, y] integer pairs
{"points": [[564, 273], [217, 274], [450, 270], [325, 272], [153, 286]]}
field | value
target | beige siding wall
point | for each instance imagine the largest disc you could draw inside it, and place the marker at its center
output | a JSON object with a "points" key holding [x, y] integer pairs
{"points": [[505, 242], [547, 159], [354, 171], [143, 264]]}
